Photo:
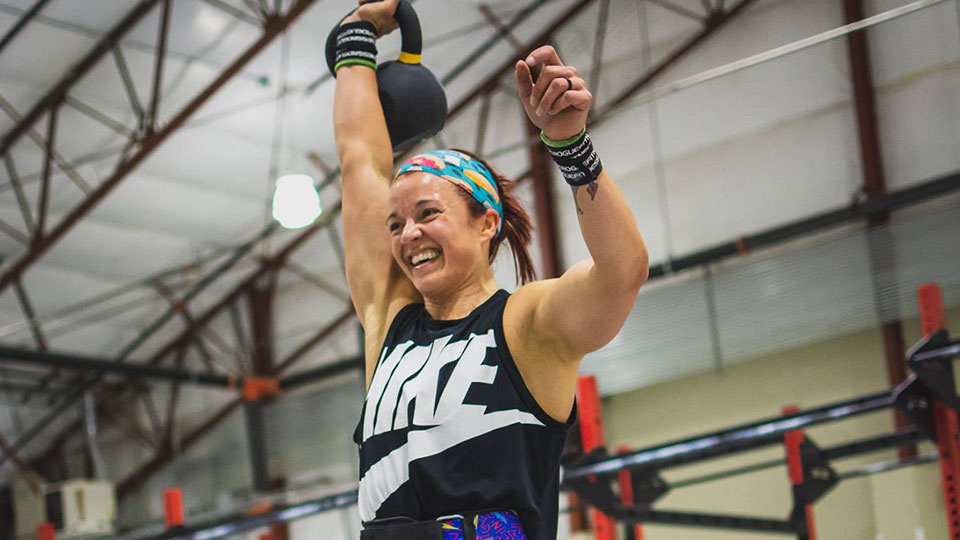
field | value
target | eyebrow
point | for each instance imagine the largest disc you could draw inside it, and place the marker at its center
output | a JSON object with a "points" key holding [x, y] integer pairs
{"points": [[420, 203]]}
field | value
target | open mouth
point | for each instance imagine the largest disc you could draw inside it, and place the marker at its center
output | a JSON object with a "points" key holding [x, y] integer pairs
{"points": [[423, 257]]}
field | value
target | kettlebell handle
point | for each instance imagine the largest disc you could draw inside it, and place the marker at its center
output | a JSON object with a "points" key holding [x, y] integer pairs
{"points": [[411, 39]]}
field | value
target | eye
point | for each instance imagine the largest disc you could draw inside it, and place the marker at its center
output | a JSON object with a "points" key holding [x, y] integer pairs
{"points": [[394, 226], [427, 212]]}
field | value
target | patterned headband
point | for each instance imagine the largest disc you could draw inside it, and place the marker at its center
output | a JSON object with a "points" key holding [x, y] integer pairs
{"points": [[462, 170]]}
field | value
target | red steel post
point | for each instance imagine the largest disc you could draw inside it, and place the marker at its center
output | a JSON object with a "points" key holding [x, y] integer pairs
{"points": [[173, 508], [591, 435], [45, 531], [626, 491], [933, 318], [791, 443]]}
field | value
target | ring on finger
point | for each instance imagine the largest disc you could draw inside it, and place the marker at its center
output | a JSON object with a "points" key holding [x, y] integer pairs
{"points": [[569, 84]]}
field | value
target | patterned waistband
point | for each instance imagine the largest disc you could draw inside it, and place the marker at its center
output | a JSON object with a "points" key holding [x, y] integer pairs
{"points": [[499, 525]]}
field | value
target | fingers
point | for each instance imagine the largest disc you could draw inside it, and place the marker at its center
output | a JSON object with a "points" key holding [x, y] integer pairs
{"points": [[578, 99], [524, 80], [557, 90], [546, 54], [546, 81]]}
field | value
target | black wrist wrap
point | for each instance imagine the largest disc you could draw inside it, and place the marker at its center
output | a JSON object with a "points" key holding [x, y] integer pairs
{"points": [[578, 161], [356, 45]]}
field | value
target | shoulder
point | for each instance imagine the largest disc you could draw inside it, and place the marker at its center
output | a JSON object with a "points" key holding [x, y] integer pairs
{"points": [[379, 327], [523, 330]]}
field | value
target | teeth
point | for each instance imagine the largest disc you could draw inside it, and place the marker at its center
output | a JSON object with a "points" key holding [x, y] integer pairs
{"points": [[424, 256]]}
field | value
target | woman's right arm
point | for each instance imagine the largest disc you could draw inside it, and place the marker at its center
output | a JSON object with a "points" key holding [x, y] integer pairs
{"points": [[378, 287]]}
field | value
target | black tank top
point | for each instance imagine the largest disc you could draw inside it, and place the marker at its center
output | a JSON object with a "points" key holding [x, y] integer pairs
{"points": [[449, 427]]}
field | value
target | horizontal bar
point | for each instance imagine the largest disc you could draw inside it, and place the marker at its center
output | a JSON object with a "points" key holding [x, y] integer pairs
{"points": [[110, 366], [696, 519], [935, 354], [745, 437], [890, 465], [23, 387], [695, 480], [872, 444], [903, 198], [862, 446], [311, 375], [243, 522]]}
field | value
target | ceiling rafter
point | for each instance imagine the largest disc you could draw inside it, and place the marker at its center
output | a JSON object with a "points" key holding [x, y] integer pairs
{"points": [[147, 145], [274, 27], [22, 23], [490, 83]]}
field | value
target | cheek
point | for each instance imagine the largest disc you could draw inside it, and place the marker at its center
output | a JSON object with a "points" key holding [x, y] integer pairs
{"points": [[395, 246]]}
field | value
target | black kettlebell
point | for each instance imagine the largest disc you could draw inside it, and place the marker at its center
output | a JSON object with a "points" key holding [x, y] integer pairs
{"points": [[414, 103]]}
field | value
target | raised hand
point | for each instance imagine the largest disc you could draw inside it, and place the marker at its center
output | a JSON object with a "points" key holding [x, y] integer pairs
{"points": [[558, 102], [377, 12]]}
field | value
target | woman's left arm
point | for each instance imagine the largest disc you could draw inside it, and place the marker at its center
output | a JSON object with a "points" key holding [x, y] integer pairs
{"points": [[585, 308]]}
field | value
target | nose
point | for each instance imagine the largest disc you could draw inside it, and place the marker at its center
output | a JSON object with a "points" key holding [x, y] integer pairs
{"points": [[411, 231]]}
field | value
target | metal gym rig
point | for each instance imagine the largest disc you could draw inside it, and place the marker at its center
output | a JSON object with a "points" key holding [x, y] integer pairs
{"points": [[625, 487]]}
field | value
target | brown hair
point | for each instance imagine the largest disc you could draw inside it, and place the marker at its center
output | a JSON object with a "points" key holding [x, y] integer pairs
{"points": [[516, 223]]}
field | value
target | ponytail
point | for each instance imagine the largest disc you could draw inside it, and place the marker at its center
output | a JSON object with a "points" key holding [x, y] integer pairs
{"points": [[516, 224]]}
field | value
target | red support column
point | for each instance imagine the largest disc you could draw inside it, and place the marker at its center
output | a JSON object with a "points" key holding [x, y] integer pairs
{"points": [[933, 318], [173, 508], [45, 531], [591, 435], [626, 492], [791, 443]]}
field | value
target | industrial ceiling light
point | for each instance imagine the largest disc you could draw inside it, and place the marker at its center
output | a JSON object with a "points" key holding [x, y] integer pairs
{"points": [[295, 201]]}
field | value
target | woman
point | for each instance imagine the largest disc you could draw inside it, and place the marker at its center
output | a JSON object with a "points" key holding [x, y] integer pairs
{"points": [[469, 389]]}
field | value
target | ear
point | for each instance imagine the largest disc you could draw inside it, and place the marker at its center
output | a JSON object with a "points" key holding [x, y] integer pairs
{"points": [[488, 224]]}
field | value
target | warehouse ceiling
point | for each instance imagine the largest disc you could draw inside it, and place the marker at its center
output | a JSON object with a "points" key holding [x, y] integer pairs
{"points": [[186, 235]]}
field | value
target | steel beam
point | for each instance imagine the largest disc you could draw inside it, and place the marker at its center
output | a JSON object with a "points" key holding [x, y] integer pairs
{"points": [[28, 473], [502, 29], [490, 42], [162, 458], [158, 65], [882, 261], [148, 145], [188, 333], [236, 524], [66, 168], [19, 193], [47, 170], [493, 79], [732, 440], [56, 95], [541, 172], [166, 454], [324, 372], [85, 363], [300, 239], [710, 26], [903, 198], [238, 253], [21, 23], [260, 296]]}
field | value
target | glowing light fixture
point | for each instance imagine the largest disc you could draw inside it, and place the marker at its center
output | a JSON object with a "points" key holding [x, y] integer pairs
{"points": [[295, 201]]}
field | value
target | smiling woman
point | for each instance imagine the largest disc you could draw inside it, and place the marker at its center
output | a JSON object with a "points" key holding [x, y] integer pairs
{"points": [[470, 389]]}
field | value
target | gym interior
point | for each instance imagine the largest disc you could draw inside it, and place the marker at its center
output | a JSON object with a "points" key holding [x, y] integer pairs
{"points": [[179, 360]]}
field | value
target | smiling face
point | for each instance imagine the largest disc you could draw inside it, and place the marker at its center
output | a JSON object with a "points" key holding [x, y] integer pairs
{"points": [[438, 243]]}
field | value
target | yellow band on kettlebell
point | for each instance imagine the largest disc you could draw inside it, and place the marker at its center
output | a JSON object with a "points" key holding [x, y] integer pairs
{"points": [[408, 58]]}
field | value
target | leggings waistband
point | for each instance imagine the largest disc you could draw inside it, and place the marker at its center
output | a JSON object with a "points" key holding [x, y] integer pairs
{"points": [[496, 525]]}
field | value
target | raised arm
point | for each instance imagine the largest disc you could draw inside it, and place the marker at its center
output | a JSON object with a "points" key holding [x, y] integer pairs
{"points": [[585, 308], [376, 284]]}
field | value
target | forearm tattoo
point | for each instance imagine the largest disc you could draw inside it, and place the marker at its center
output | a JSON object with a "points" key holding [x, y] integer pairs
{"points": [[592, 189]]}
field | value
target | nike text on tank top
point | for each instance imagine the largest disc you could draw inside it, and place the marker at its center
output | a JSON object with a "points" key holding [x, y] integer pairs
{"points": [[449, 427]]}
